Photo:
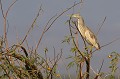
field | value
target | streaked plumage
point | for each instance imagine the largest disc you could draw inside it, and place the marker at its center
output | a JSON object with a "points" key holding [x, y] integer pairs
{"points": [[86, 33]]}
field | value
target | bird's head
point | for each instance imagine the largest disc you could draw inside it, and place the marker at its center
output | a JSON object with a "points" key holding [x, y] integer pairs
{"points": [[76, 16], [80, 18]]}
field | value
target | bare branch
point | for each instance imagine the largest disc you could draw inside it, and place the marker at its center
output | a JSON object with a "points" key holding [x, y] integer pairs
{"points": [[55, 63], [10, 8], [43, 34], [101, 66], [97, 75], [62, 14], [101, 26], [5, 21], [2, 9], [31, 25], [106, 44], [47, 28]]}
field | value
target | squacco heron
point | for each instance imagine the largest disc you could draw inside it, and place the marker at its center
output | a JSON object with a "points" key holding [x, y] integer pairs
{"points": [[86, 33]]}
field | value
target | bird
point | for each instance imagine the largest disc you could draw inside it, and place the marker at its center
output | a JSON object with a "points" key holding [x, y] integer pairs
{"points": [[86, 32]]}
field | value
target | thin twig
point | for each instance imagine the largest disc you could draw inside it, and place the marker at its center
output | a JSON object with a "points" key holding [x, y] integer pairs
{"points": [[5, 70], [55, 63], [32, 25], [97, 75], [10, 8], [106, 44], [47, 28], [101, 66], [93, 70], [2, 9], [5, 21], [62, 14], [43, 33], [101, 26]]}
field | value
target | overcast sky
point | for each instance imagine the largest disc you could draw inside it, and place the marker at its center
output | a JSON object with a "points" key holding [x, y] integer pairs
{"points": [[93, 12]]}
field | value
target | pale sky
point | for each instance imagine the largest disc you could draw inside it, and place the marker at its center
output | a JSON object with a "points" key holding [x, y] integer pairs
{"points": [[93, 11]]}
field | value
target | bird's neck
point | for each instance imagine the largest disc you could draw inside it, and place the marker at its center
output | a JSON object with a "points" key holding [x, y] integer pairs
{"points": [[81, 27], [81, 22]]}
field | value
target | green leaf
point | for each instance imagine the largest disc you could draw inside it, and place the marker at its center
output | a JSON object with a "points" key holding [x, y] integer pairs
{"points": [[71, 64], [67, 39], [73, 49]]}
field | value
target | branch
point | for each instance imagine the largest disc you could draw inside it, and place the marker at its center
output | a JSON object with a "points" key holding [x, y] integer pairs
{"points": [[47, 28], [99, 70], [5, 21], [62, 14], [55, 63], [101, 26], [29, 66], [2, 9], [43, 33], [106, 44], [74, 41], [32, 25], [81, 36], [10, 8]]}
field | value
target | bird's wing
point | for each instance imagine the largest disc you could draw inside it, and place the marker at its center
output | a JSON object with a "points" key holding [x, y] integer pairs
{"points": [[90, 37]]}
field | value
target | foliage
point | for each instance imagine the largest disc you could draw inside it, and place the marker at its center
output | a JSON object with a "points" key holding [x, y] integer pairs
{"points": [[19, 61], [114, 61]]}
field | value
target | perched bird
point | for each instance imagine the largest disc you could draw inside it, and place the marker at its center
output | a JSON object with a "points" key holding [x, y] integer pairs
{"points": [[86, 33]]}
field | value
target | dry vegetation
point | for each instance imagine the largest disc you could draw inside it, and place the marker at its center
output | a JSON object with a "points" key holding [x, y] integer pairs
{"points": [[19, 62]]}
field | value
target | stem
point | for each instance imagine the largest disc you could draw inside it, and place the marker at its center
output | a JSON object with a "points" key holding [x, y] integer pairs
{"points": [[5, 34], [80, 71], [88, 68]]}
